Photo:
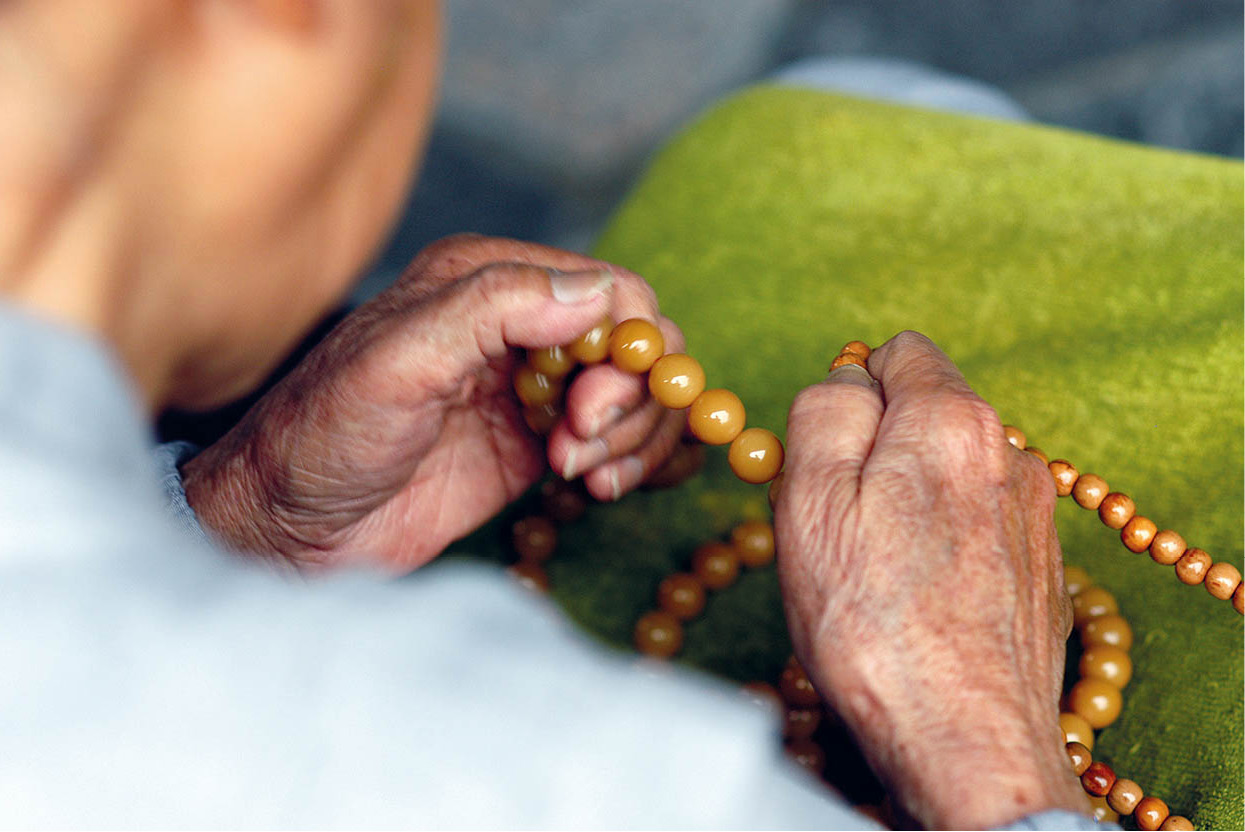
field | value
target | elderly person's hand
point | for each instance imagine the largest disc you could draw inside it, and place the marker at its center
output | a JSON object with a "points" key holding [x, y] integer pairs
{"points": [[401, 432], [924, 587]]}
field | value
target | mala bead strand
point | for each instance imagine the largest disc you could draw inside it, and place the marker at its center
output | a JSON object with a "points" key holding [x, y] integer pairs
{"points": [[635, 345], [659, 634], [1222, 579], [593, 346], [676, 380], [756, 456], [716, 417]]}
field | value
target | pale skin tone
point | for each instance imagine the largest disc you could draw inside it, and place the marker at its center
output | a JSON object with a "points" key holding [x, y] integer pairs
{"points": [[195, 183]]}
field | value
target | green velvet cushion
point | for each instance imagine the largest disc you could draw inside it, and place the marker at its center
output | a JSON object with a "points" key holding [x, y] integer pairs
{"points": [[1090, 289]]}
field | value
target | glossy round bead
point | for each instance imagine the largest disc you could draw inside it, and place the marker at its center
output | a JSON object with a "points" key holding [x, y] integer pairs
{"points": [[1124, 796], [534, 538], [859, 347], [676, 380], [716, 565], [1039, 453], [801, 723], [796, 687], [1076, 729], [1238, 599], [848, 358], [775, 489], [541, 420], [1110, 664], [1138, 533], [754, 543], [1222, 579], [1193, 566], [1111, 630], [535, 389], [1150, 813], [593, 346], [658, 634], [685, 462], [1065, 475], [1116, 510], [1075, 579], [554, 362], [635, 345], [1089, 491], [1015, 437], [1097, 779], [1101, 812], [1092, 602], [765, 695], [530, 575], [1079, 756], [562, 501], [1096, 701], [756, 456], [681, 595], [1167, 547], [807, 754], [1179, 822], [716, 417]]}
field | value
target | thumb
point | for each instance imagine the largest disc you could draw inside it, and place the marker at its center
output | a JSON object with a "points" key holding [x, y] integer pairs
{"points": [[507, 305]]}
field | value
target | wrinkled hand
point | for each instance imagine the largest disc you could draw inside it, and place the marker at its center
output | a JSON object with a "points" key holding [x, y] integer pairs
{"points": [[923, 581], [400, 432]]}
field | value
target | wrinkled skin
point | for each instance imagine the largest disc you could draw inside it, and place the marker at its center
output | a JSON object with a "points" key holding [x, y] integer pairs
{"points": [[923, 581], [401, 432]]}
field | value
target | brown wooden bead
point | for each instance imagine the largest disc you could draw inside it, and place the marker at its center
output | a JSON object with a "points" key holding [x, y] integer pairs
{"points": [[1098, 778], [1112, 630], [541, 420], [534, 538], [765, 695], [1079, 756], [1150, 813], [1238, 599], [1124, 796], [530, 575], [676, 380], [807, 754], [1116, 510], [658, 634], [535, 389], [1138, 533], [756, 456], [1015, 437], [1222, 579], [681, 595], [1193, 566], [848, 358], [1076, 729], [1179, 822], [801, 723], [716, 565], [716, 417], [1039, 453], [796, 688], [1089, 491], [593, 346], [859, 347], [562, 501], [1065, 475], [1110, 664], [1101, 812], [1092, 602], [775, 489], [1167, 547], [754, 543], [684, 463], [1096, 701], [554, 362], [635, 345], [1076, 579]]}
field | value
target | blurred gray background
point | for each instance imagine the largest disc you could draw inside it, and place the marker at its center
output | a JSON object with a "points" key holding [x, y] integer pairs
{"points": [[550, 107]]}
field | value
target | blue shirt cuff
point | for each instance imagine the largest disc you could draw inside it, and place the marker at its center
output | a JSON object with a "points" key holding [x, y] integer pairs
{"points": [[1054, 819], [168, 459]]}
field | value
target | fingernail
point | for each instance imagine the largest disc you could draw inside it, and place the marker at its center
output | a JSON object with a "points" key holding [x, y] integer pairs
{"points": [[605, 420], [568, 467], [593, 455], [851, 374], [579, 287], [626, 475]]}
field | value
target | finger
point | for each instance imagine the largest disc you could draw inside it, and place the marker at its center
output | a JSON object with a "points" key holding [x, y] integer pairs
{"points": [[831, 429], [621, 476], [571, 456], [911, 369], [603, 395]]}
